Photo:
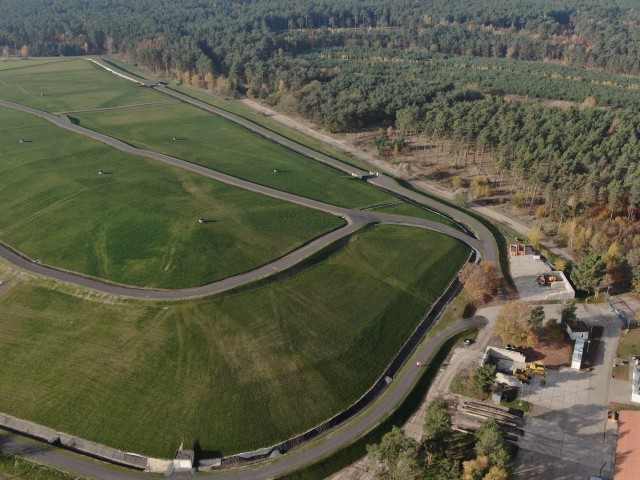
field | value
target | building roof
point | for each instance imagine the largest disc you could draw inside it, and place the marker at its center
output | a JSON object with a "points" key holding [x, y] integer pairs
{"points": [[628, 446]]}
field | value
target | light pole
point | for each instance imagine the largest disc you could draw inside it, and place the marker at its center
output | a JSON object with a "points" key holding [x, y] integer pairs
{"points": [[600, 473]]}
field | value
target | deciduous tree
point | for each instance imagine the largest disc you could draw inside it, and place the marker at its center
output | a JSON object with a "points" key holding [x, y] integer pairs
{"points": [[474, 469], [496, 473], [535, 237], [461, 197], [480, 281], [512, 325]]}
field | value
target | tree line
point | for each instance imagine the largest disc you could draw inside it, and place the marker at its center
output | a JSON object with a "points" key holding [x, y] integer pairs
{"points": [[580, 32], [442, 454]]}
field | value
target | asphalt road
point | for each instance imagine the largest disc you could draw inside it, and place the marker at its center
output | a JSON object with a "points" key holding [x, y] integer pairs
{"points": [[294, 459], [354, 218]]}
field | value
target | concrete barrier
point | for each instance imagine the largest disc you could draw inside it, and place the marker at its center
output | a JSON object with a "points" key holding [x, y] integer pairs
{"points": [[80, 445]]}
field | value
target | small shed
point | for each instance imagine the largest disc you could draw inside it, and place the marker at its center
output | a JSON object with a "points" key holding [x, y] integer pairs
{"points": [[578, 352], [183, 460], [578, 329]]}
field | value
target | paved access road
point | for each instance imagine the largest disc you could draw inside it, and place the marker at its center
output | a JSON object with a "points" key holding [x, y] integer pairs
{"points": [[294, 459], [354, 218]]}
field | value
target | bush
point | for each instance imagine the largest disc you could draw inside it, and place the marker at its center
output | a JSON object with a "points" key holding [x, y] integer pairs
{"points": [[554, 331], [457, 182], [518, 200]]}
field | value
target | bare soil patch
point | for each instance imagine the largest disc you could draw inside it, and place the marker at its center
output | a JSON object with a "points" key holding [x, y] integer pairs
{"points": [[552, 355]]}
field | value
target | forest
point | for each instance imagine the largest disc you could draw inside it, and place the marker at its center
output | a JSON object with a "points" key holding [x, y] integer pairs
{"points": [[435, 70]]}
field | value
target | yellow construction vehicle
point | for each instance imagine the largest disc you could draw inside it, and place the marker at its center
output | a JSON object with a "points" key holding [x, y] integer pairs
{"points": [[522, 375], [529, 370], [537, 368]]}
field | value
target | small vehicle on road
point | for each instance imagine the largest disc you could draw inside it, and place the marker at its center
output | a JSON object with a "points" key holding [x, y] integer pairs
{"points": [[467, 341]]}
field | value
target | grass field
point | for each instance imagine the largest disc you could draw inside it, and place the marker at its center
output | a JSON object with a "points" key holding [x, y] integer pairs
{"points": [[24, 62], [71, 85], [208, 140], [138, 223], [77, 84], [234, 106], [234, 372]]}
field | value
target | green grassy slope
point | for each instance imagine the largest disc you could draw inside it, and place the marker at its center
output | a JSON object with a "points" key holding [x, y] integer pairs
{"points": [[137, 224], [235, 372], [71, 85], [208, 140]]}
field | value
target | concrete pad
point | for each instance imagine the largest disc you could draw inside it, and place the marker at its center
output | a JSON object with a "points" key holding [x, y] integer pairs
{"points": [[525, 269], [538, 466]]}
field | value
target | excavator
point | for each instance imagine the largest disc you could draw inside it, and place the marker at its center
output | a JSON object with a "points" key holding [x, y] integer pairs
{"points": [[529, 370]]}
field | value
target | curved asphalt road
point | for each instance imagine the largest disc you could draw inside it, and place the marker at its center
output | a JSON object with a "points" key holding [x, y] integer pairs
{"points": [[355, 219], [294, 459]]}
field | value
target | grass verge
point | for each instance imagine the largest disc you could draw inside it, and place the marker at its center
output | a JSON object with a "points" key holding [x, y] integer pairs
{"points": [[13, 467]]}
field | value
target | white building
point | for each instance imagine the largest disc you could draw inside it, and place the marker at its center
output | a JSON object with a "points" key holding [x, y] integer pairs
{"points": [[635, 383]]}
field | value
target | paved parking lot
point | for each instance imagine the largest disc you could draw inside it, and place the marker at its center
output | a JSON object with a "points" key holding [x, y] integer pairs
{"points": [[525, 269], [564, 388]]}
